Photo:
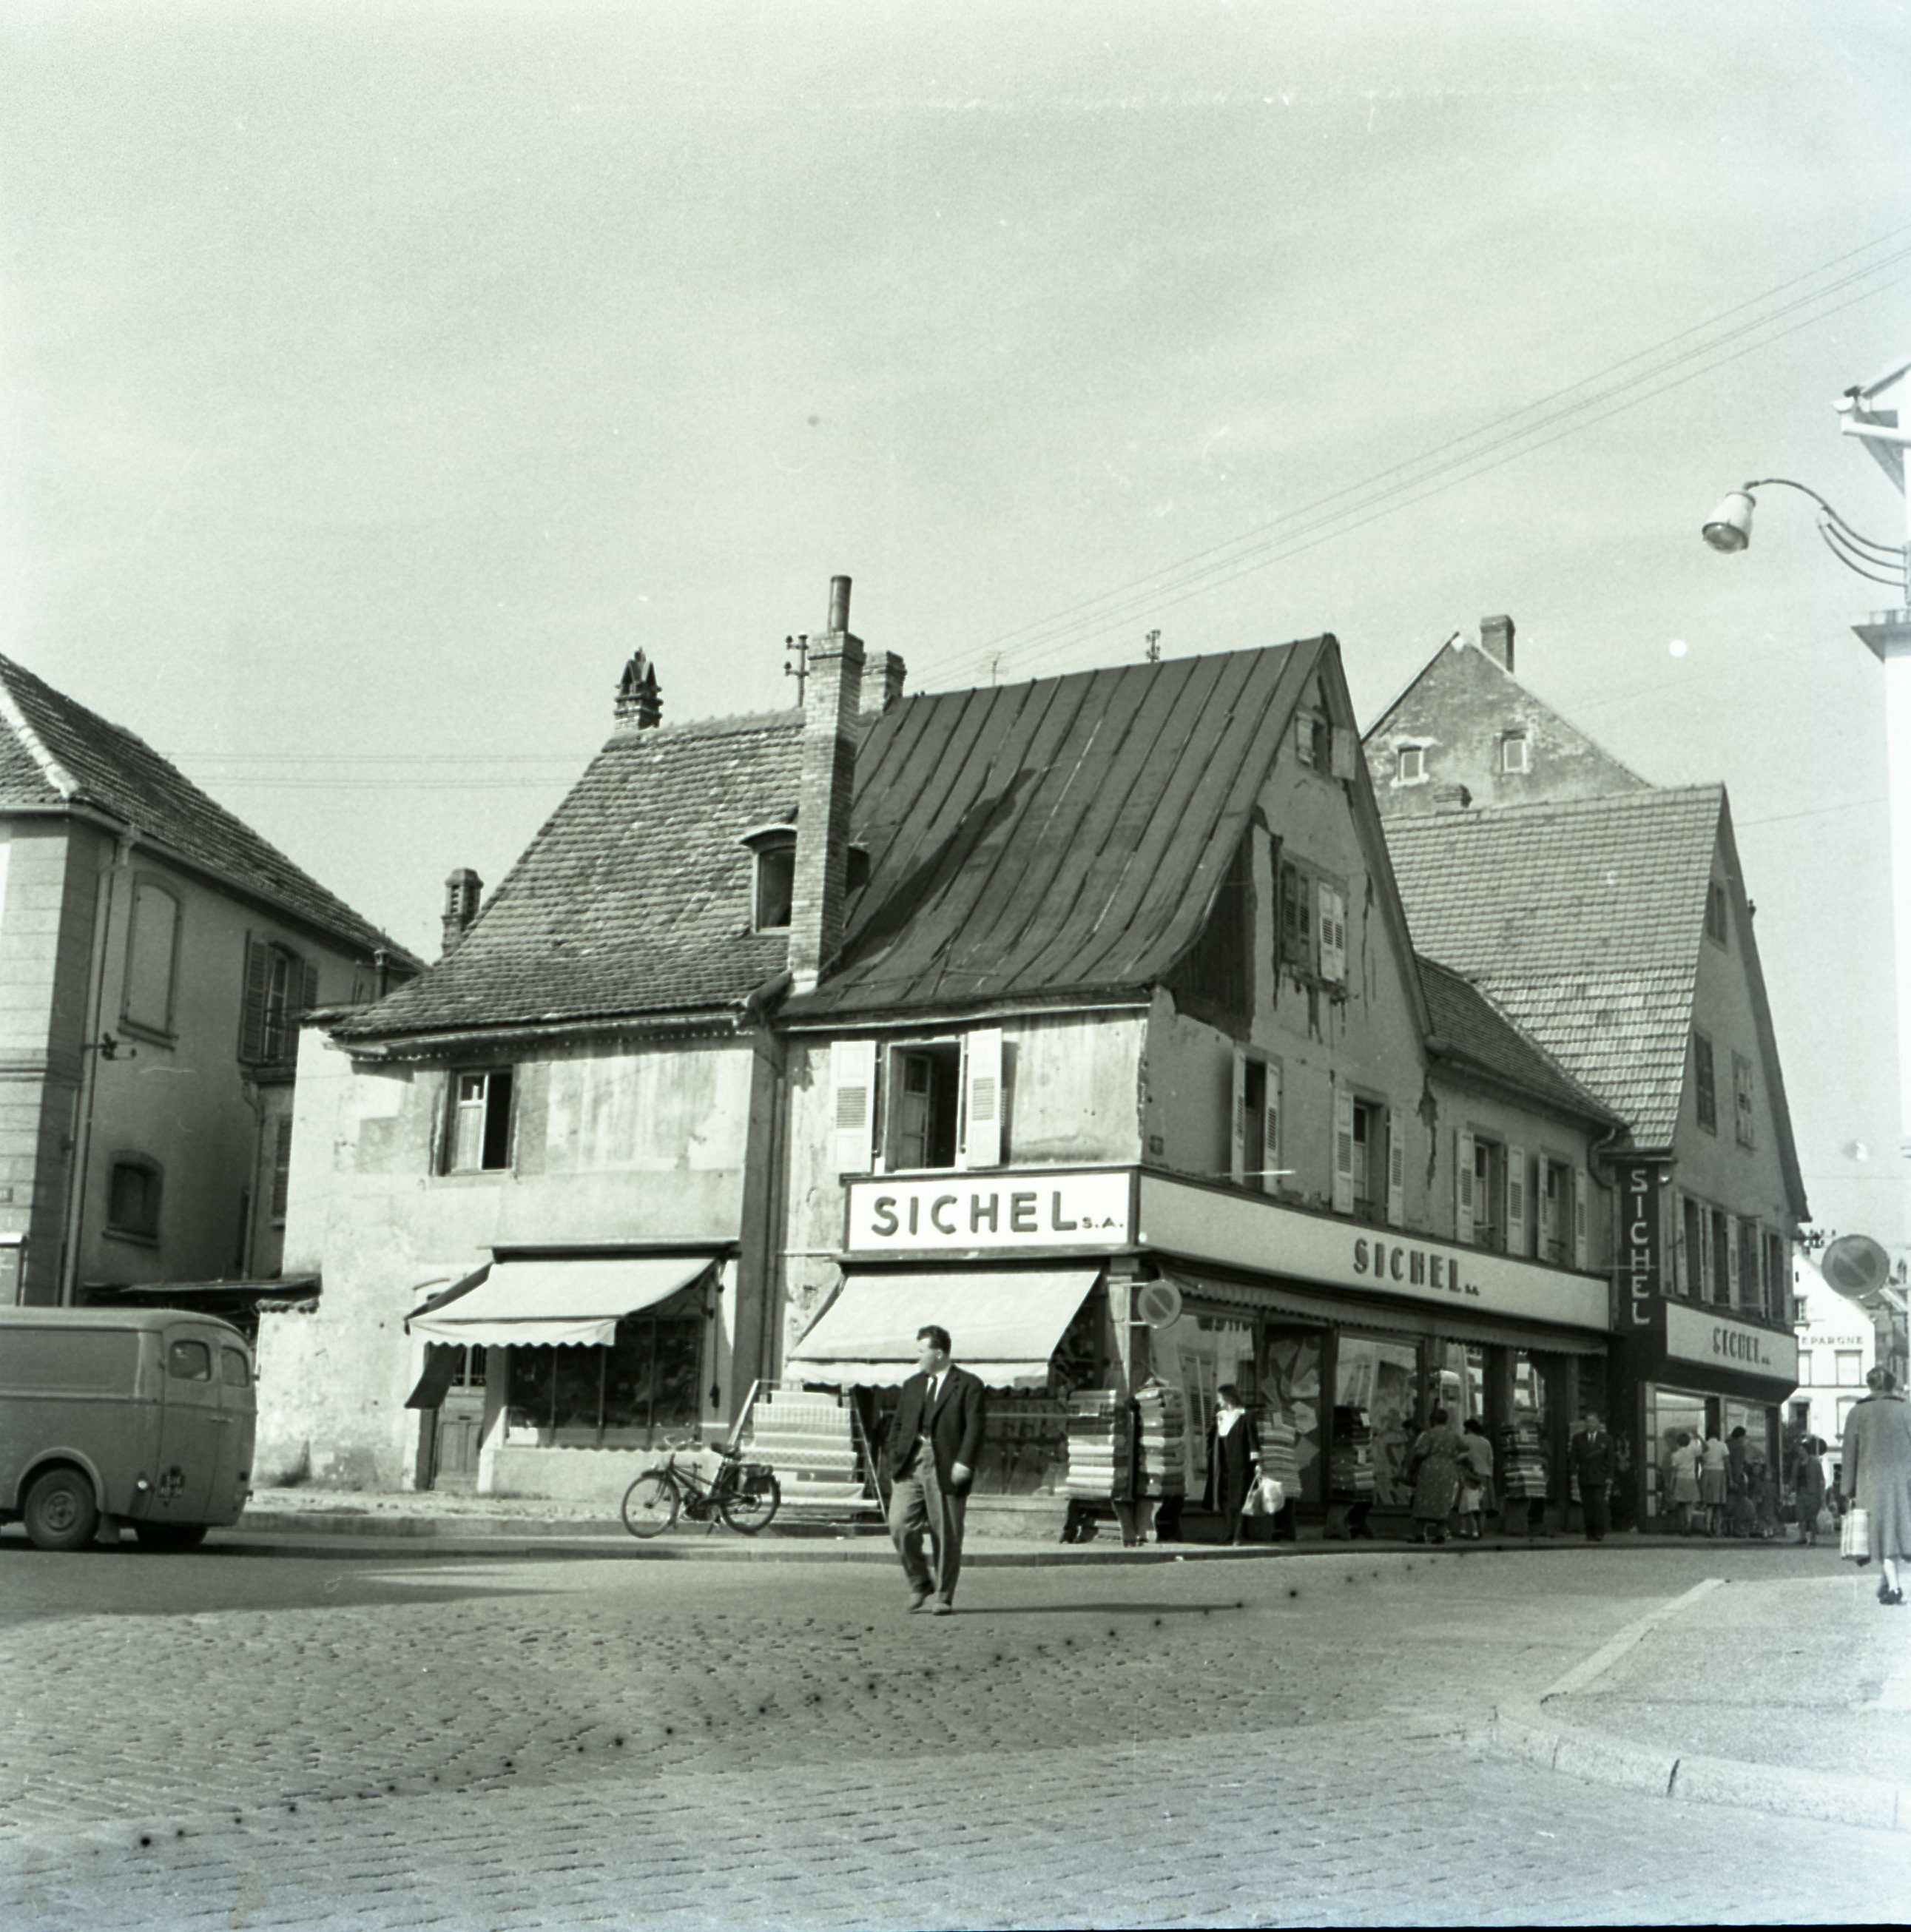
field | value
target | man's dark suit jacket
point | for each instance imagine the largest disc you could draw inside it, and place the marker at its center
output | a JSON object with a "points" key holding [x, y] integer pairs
{"points": [[955, 1429], [1592, 1458]]}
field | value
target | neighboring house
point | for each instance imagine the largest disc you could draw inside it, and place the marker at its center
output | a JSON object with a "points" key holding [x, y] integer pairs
{"points": [[155, 955], [1079, 1016], [1615, 932], [1837, 1348], [1467, 732]]}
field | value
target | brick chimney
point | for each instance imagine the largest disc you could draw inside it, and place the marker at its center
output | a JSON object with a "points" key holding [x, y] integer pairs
{"points": [[463, 890], [833, 694], [882, 682], [1496, 641], [640, 703]]}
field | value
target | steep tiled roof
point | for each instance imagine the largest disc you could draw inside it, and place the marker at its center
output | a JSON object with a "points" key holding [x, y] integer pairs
{"points": [[55, 752], [634, 898], [1063, 836], [1582, 921], [1471, 1029]]}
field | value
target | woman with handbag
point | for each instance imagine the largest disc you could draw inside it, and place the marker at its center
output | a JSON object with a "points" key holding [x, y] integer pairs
{"points": [[1234, 1463], [1437, 1457], [1876, 1480]]}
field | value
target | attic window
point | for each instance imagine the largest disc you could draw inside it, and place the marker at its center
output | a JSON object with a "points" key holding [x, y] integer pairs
{"points": [[1312, 744], [1715, 916], [1410, 767], [1513, 752], [774, 849]]}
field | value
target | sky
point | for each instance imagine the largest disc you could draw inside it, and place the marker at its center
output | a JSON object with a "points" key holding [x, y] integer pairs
{"points": [[374, 379]]}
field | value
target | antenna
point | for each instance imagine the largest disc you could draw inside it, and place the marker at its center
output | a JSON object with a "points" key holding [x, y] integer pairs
{"points": [[800, 670], [1154, 647]]}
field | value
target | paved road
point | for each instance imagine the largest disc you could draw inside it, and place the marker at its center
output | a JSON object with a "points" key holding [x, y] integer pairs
{"points": [[388, 1742]]}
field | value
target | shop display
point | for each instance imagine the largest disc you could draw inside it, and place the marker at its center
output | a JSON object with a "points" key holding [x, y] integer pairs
{"points": [[1024, 1445], [1161, 1463], [810, 1438], [1350, 1462], [1280, 1453], [1101, 1445]]}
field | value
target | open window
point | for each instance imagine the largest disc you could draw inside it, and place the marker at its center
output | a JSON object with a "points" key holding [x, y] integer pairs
{"points": [[1254, 1140], [478, 1138], [134, 1186], [773, 876], [279, 987], [919, 1104]]}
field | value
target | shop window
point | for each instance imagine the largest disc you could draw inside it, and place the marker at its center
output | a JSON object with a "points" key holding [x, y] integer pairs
{"points": [[280, 986], [1715, 916], [647, 1382], [133, 1187], [1376, 1419], [1743, 1121], [1513, 758], [1410, 765], [1850, 1364], [1718, 1256], [773, 849], [1704, 1094], [1489, 1192], [152, 959], [479, 1135]]}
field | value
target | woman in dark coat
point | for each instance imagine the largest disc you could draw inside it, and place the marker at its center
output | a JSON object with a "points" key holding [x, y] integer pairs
{"points": [[1437, 1458], [1877, 1476], [1233, 1461]]}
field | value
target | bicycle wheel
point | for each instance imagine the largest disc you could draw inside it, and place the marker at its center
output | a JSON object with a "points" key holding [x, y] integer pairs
{"points": [[750, 1505], [651, 1502]]}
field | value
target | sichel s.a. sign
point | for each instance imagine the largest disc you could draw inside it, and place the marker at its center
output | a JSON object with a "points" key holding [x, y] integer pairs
{"points": [[1696, 1333], [954, 1212]]}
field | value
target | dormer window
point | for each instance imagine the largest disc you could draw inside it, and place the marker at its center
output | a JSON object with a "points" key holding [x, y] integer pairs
{"points": [[1513, 752], [774, 849]]}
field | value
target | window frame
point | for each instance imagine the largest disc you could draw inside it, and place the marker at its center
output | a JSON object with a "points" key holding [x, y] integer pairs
{"points": [[163, 1031], [1420, 773], [1373, 1143], [1556, 1243], [153, 1173], [279, 987], [491, 1131], [1489, 1191], [1744, 1101], [1300, 891], [772, 847], [1313, 741], [1705, 1082], [942, 1055], [1718, 917], [1509, 741]]}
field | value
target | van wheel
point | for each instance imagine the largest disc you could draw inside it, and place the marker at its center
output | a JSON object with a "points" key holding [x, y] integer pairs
{"points": [[60, 1512], [169, 1535]]}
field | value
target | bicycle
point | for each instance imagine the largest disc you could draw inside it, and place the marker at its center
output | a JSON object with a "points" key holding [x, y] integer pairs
{"points": [[745, 1495]]}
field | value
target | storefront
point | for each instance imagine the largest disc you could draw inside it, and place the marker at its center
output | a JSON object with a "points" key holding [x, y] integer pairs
{"points": [[1689, 1369], [583, 1350], [1341, 1338]]}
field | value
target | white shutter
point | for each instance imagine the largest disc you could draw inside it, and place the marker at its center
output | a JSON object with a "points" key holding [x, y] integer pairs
{"points": [[1516, 1201], [1341, 753], [1581, 1230], [1343, 1151], [853, 1085], [1332, 918], [1238, 1122], [981, 1097], [1396, 1167], [1731, 1258], [1270, 1136], [1462, 1185]]}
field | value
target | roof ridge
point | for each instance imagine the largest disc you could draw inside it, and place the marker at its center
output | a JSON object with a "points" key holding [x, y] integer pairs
{"points": [[1418, 823], [55, 774]]}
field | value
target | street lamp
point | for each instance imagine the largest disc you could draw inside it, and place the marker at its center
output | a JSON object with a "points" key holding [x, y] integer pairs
{"points": [[1872, 413]]}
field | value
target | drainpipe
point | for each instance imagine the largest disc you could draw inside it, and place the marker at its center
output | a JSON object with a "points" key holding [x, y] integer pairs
{"points": [[90, 1043]]}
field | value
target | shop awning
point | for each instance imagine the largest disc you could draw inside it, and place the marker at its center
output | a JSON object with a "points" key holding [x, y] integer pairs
{"points": [[1005, 1324], [550, 1302]]}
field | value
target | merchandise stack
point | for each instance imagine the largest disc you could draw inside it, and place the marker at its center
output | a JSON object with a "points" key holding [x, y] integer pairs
{"points": [[809, 1437], [1350, 1463], [1101, 1445], [1280, 1453], [1521, 1462], [1161, 1468]]}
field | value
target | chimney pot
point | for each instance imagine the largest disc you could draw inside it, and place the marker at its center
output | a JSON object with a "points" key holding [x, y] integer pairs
{"points": [[463, 891], [640, 703], [1496, 641], [883, 675], [839, 603]]}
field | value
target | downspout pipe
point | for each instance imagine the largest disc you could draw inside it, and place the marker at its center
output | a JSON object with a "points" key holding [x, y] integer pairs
{"points": [[72, 1234]]}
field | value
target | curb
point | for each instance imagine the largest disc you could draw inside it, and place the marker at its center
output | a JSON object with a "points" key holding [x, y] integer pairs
{"points": [[1834, 1797]]}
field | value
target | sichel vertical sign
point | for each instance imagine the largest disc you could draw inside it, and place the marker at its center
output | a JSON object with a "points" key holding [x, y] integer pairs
{"points": [[1641, 1246]]}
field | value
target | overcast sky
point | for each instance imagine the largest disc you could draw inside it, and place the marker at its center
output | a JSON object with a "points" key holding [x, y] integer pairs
{"points": [[374, 379]]}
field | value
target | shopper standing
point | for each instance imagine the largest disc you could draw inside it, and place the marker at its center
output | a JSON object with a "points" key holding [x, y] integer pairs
{"points": [[1876, 1476], [1233, 1462], [1592, 1464], [1434, 1465], [1711, 1483], [1476, 1478], [1808, 1486], [1684, 1464], [934, 1446]]}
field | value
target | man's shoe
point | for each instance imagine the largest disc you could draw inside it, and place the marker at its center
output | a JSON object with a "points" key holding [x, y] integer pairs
{"points": [[939, 1609], [917, 1600]]}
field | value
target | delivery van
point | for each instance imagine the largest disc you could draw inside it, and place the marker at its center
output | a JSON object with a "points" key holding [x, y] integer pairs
{"points": [[143, 1416]]}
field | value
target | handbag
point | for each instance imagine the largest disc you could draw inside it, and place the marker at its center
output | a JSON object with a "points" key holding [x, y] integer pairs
{"points": [[1855, 1536]]}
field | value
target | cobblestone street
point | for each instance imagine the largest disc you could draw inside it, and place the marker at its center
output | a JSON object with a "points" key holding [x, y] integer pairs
{"points": [[467, 1743]]}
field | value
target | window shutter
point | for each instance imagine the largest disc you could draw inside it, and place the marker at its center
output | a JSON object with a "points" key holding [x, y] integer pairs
{"points": [[1238, 1122], [981, 1097], [1705, 1282], [252, 1012], [1333, 934], [1681, 1262], [853, 1081], [281, 1166], [1396, 1167], [1343, 1151], [1341, 751], [1516, 1201], [1463, 1186], [1581, 1232], [1732, 1259], [1270, 1139], [308, 992]]}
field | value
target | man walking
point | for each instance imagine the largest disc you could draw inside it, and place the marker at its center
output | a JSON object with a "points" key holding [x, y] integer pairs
{"points": [[934, 1446], [1592, 1463]]}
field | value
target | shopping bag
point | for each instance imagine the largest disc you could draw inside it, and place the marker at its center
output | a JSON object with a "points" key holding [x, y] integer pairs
{"points": [[1855, 1536], [1266, 1497]]}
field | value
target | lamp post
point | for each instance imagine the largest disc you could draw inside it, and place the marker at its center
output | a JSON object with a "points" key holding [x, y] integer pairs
{"points": [[1871, 412]]}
